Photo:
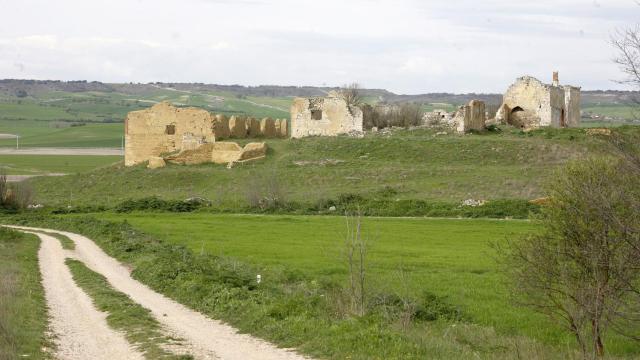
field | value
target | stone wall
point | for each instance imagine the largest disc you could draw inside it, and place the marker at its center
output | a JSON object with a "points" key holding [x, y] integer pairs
{"points": [[534, 104], [328, 116], [163, 129], [572, 105], [470, 117]]}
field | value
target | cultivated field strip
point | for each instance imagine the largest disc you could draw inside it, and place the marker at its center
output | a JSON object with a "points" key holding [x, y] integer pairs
{"points": [[80, 330], [208, 338]]}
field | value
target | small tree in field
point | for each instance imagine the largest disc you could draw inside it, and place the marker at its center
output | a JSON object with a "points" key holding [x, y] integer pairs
{"points": [[583, 268]]}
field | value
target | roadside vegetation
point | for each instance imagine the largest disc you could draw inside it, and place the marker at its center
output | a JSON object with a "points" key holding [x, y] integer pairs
{"points": [[23, 314], [423, 296], [139, 326]]}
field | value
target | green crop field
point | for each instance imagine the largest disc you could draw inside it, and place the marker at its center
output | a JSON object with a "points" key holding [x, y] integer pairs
{"points": [[452, 259], [61, 164], [43, 134]]}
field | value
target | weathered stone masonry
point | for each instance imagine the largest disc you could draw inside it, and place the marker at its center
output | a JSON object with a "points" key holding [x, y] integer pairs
{"points": [[530, 104], [324, 116], [165, 129]]}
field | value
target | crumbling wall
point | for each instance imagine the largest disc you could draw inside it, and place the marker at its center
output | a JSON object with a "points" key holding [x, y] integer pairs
{"points": [[221, 127], [530, 103], [221, 152], [253, 127], [237, 127], [268, 128], [328, 116], [572, 106], [534, 104], [502, 115], [282, 128], [164, 128], [471, 117]]}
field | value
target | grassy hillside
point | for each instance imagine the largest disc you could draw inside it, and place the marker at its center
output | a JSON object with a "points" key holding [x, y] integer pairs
{"points": [[407, 164]]}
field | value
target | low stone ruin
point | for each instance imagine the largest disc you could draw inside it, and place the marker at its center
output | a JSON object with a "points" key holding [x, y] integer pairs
{"points": [[470, 117], [219, 153], [324, 116], [530, 104], [190, 134]]}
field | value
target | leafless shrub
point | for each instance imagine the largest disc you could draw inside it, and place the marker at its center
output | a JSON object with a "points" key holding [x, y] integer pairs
{"points": [[383, 116], [356, 251], [352, 94], [266, 192], [583, 270], [626, 42], [17, 196]]}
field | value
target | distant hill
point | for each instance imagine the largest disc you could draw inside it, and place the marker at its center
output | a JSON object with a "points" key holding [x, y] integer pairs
{"points": [[21, 88]]}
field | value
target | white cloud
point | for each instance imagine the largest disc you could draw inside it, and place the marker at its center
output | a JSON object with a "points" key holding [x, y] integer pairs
{"points": [[408, 46], [421, 66]]}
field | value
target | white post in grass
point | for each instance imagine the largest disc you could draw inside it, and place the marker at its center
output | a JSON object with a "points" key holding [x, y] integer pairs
{"points": [[17, 141]]}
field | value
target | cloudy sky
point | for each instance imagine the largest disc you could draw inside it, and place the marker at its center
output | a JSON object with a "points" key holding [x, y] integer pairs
{"points": [[406, 46]]}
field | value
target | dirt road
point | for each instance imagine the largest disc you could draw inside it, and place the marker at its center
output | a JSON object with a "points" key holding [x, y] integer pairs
{"points": [[81, 331], [209, 339], [63, 151]]}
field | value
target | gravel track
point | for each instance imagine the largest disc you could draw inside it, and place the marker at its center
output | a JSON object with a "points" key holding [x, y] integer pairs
{"points": [[208, 338], [79, 330]]}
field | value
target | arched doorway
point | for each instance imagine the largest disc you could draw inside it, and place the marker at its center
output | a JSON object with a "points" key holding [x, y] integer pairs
{"points": [[516, 118]]}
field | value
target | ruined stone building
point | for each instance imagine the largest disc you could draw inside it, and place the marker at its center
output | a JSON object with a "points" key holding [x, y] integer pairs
{"points": [[324, 116], [467, 118], [470, 117], [166, 131], [529, 104]]}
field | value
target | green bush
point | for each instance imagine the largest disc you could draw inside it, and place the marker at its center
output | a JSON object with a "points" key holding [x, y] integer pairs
{"points": [[156, 204]]}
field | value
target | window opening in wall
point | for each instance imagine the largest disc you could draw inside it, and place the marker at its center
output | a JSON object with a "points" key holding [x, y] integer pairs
{"points": [[170, 130], [316, 114]]}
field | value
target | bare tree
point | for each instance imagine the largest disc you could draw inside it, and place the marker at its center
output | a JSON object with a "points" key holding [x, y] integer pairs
{"points": [[356, 247], [627, 45], [583, 269], [352, 94]]}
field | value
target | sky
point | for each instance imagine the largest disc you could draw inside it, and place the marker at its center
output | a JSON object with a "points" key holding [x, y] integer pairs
{"points": [[405, 46]]}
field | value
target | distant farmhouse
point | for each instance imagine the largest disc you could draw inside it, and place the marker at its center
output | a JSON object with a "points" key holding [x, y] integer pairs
{"points": [[529, 104]]}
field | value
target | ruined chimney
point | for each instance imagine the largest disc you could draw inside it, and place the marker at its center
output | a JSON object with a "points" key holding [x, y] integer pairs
{"points": [[556, 80]]}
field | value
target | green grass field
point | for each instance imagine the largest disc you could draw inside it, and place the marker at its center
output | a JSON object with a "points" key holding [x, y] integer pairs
{"points": [[23, 314], [61, 164], [452, 259], [622, 111], [416, 164], [42, 134]]}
